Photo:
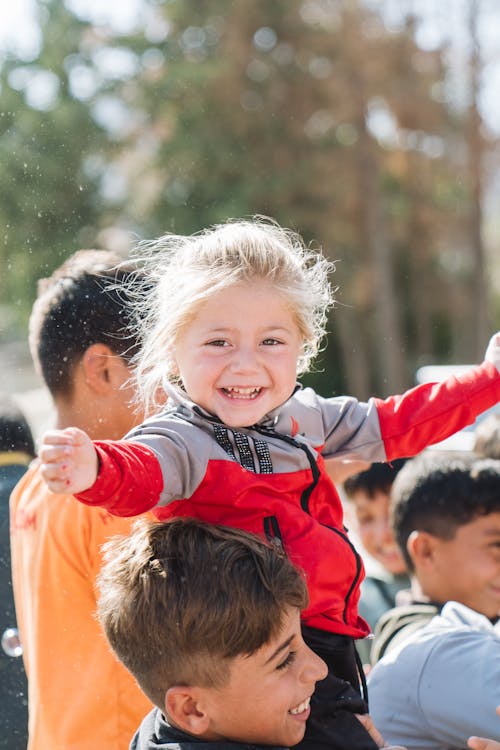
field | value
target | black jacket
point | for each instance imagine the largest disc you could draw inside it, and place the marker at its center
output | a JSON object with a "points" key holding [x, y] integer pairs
{"points": [[156, 734]]}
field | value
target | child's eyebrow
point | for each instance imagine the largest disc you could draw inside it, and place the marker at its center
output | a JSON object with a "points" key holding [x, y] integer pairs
{"points": [[280, 648]]}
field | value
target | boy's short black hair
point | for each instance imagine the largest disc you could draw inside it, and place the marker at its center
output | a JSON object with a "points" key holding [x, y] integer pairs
{"points": [[84, 302], [438, 492], [15, 432], [178, 600], [377, 478]]}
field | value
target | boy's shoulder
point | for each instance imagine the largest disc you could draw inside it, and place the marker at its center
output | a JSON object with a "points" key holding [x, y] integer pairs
{"points": [[378, 594], [446, 625], [398, 624], [155, 733]]}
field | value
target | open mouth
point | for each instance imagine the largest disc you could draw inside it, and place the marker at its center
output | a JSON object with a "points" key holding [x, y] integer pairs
{"points": [[300, 708], [242, 393]]}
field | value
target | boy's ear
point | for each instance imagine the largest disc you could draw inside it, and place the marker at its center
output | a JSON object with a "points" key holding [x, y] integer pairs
{"points": [[184, 709], [421, 546], [99, 364]]}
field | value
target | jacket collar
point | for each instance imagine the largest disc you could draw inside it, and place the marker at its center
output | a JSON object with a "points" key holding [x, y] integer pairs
{"points": [[178, 400]]}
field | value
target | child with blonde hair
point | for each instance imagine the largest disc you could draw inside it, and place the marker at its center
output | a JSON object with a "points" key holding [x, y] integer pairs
{"points": [[235, 313]]}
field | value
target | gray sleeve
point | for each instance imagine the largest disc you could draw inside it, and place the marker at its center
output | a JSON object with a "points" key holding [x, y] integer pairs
{"points": [[352, 429], [182, 452], [459, 687]]}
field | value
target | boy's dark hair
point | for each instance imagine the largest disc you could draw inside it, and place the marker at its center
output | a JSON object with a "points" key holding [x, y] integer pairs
{"points": [[377, 478], [487, 437], [84, 302], [15, 432], [179, 600], [437, 493]]}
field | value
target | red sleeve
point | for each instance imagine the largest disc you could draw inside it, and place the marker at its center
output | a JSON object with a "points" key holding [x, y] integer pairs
{"points": [[130, 480], [432, 412]]}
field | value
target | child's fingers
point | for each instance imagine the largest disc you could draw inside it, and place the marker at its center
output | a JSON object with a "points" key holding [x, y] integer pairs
{"points": [[58, 437], [55, 480], [52, 472], [50, 454], [69, 436], [477, 743], [367, 721]]}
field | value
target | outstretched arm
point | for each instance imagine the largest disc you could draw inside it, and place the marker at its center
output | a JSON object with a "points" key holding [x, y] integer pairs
{"points": [[69, 462], [433, 411], [121, 476]]}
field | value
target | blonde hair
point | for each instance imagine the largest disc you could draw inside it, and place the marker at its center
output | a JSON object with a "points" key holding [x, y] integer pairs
{"points": [[187, 270]]}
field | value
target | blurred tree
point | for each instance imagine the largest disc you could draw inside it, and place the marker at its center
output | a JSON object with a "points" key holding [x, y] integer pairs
{"points": [[310, 111], [46, 196], [476, 154]]}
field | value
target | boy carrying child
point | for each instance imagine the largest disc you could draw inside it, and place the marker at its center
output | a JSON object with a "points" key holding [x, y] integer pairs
{"points": [[207, 619]]}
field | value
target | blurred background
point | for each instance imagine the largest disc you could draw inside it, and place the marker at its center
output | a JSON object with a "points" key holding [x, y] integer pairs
{"points": [[370, 126]]}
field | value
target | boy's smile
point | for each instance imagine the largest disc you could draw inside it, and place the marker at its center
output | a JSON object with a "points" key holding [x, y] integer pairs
{"points": [[466, 568], [266, 698], [237, 359], [372, 517]]}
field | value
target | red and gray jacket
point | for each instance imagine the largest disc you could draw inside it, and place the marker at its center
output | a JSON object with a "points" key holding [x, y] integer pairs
{"points": [[270, 478]]}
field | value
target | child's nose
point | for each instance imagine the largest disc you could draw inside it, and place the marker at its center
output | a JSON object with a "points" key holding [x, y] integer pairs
{"points": [[244, 360]]}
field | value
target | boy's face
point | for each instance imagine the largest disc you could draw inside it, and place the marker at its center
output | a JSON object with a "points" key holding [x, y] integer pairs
{"points": [[466, 568], [238, 358], [372, 517], [266, 698]]}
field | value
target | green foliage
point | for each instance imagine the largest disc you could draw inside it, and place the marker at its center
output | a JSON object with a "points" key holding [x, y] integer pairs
{"points": [[227, 108]]}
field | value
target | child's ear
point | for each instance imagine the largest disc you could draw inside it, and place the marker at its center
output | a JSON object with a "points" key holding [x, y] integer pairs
{"points": [[183, 708]]}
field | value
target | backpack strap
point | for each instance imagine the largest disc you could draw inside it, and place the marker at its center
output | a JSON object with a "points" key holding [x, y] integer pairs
{"points": [[397, 624]]}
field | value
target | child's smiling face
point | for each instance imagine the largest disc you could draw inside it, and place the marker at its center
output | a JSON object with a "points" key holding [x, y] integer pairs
{"points": [[238, 358], [266, 698]]}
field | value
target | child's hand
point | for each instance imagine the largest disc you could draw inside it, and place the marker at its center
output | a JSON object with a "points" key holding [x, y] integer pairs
{"points": [[367, 721], [69, 462], [493, 351], [481, 743]]}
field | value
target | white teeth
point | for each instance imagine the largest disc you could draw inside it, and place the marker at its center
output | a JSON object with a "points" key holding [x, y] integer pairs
{"points": [[242, 392], [300, 709]]}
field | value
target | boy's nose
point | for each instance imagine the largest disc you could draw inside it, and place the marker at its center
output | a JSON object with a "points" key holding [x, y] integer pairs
{"points": [[315, 668], [386, 532], [382, 532]]}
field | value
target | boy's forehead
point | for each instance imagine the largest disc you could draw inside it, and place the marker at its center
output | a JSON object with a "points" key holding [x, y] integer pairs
{"points": [[278, 643], [362, 498], [483, 526]]}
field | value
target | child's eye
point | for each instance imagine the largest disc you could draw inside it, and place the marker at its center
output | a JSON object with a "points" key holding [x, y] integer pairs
{"points": [[217, 342], [271, 342], [289, 660]]}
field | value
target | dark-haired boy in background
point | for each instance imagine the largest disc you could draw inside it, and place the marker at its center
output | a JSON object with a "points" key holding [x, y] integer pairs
{"points": [[368, 494], [439, 679], [81, 339]]}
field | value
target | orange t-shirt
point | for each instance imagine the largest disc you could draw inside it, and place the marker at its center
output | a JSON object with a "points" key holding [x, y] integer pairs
{"points": [[80, 697]]}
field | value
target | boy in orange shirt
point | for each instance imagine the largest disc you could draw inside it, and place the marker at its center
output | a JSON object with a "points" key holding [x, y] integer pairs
{"points": [[79, 695]]}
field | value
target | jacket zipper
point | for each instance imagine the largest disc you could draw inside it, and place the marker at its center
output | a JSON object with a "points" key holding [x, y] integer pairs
{"points": [[273, 534], [304, 498], [304, 502], [358, 568]]}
